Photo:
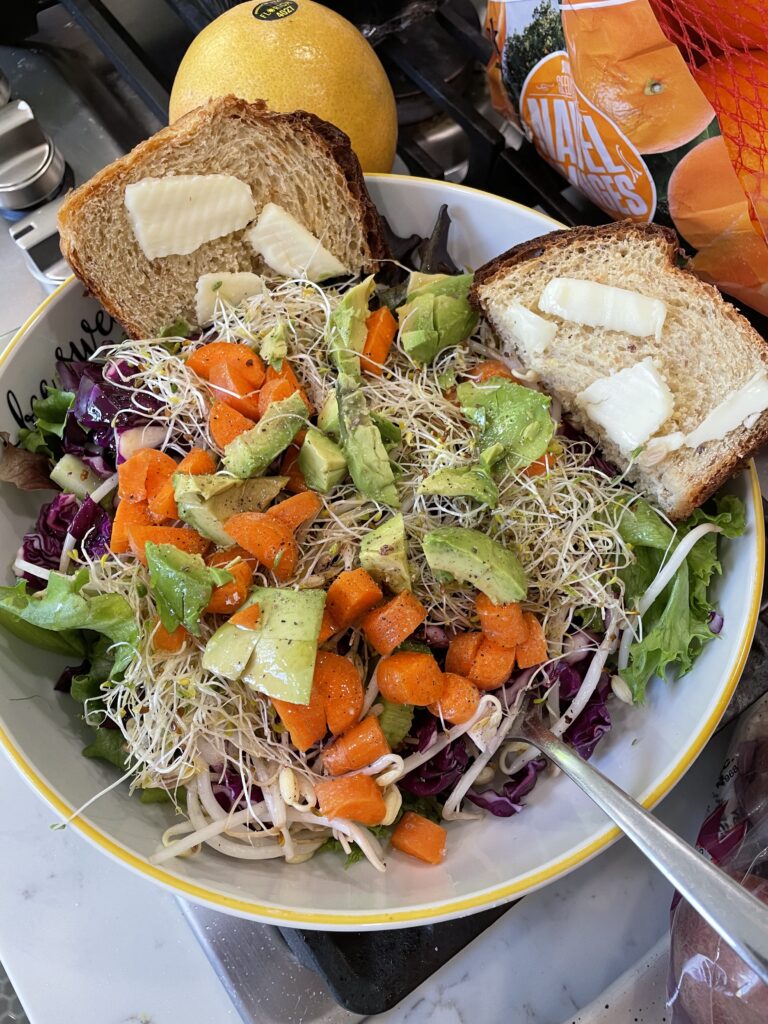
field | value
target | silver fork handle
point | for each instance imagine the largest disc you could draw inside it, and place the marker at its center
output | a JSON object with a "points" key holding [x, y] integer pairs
{"points": [[738, 916]]}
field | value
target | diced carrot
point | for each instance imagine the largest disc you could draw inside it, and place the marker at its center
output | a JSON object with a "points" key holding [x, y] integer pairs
{"points": [[274, 390], [195, 463], [180, 537], [234, 389], [142, 476], [352, 594], [304, 722], [290, 467], [356, 798], [410, 677], [533, 650], [420, 837], [502, 623], [217, 353], [128, 514], [490, 368], [266, 538], [225, 424], [247, 618], [358, 747], [541, 466], [339, 683], [229, 596], [382, 328], [327, 627], [492, 666], [162, 640], [298, 509], [458, 701], [462, 651], [386, 627]]}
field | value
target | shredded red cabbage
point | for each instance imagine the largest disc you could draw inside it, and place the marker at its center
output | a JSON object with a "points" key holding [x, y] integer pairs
{"points": [[440, 773], [593, 722], [42, 545], [716, 622], [508, 802], [229, 792], [93, 527]]}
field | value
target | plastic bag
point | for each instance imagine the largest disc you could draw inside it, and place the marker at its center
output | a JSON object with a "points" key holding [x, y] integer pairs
{"points": [[708, 982], [655, 109]]}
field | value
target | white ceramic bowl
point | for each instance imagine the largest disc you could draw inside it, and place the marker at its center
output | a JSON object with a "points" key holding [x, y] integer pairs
{"points": [[489, 861]]}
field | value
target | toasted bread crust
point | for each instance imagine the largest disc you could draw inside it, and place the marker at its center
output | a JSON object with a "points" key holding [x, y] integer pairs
{"points": [[742, 443], [324, 134]]}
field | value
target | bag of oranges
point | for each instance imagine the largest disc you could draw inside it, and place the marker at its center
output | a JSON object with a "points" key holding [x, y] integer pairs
{"points": [[655, 109]]}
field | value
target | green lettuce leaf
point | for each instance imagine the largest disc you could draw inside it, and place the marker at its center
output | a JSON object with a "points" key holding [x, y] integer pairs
{"points": [[108, 745], [61, 608], [50, 414], [87, 685], [181, 584], [507, 414]]}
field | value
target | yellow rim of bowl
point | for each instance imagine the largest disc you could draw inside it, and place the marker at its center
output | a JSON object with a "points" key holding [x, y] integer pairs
{"points": [[451, 908]]}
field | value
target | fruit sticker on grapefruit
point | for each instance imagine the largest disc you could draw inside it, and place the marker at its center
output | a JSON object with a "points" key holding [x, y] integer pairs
{"points": [[582, 143]]}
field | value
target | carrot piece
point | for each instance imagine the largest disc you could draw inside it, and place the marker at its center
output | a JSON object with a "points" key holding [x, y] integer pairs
{"points": [[217, 353], [410, 677], [492, 666], [358, 747], [458, 701], [180, 537], [462, 651], [502, 623], [229, 596], [490, 368], [420, 837], [356, 798], [142, 476], [386, 627], [225, 424], [382, 328], [266, 538], [290, 467], [128, 514], [273, 391], [304, 722], [162, 640], [533, 650], [285, 373], [540, 466], [339, 683], [327, 627], [195, 463], [247, 618], [234, 389], [295, 511], [351, 595]]}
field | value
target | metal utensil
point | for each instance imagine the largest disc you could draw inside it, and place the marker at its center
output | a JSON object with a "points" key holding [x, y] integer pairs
{"points": [[740, 918]]}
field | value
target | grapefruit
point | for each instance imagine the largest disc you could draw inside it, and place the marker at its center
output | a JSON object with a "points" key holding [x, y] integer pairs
{"points": [[296, 55]]}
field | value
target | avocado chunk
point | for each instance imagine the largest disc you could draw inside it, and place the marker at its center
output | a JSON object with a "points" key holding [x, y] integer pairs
{"points": [[466, 481], [436, 315], [346, 331], [207, 500], [391, 434], [72, 475], [367, 458], [321, 461], [250, 453], [278, 656], [274, 345], [384, 554], [328, 417], [508, 414], [472, 557]]}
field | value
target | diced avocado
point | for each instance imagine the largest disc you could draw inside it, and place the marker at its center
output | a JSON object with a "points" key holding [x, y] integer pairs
{"points": [[418, 336], [472, 557], [437, 314], [274, 346], [367, 458], [283, 661], [508, 414], [72, 475], [395, 721], [346, 331], [384, 554], [454, 285], [454, 319], [468, 481], [207, 500], [321, 461], [490, 456], [417, 280], [250, 453], [391, 434], [229, 650], [328, 417]]}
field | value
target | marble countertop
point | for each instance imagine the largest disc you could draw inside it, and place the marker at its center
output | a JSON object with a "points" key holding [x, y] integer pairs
{"points": [[83, 939]]}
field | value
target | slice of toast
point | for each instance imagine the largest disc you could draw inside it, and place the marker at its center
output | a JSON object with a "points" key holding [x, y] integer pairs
{"points": [[705, 351], [296, 160]]}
